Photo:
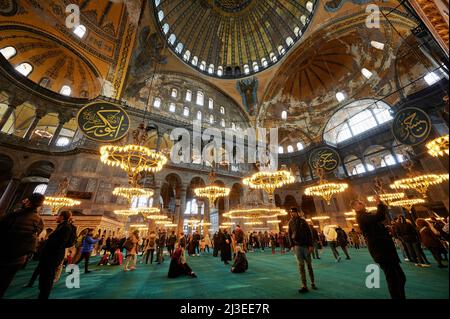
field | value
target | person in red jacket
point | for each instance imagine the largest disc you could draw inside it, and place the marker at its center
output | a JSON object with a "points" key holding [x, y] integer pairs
{"points": [[430, 240]]}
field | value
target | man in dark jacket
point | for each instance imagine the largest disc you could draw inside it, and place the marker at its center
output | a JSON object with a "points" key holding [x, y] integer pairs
{"points": [[381, 246], [216, 243], [160, 244], [316, 242], [18, 233], [171, 240], [196, 240], [410, 237], [53, 253], [342, 240], [301, 240]]}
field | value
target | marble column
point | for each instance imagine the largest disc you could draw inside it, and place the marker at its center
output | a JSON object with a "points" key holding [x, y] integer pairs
{"points": [[54, 139], [181, 208], [39, 115], [156, 203], [8, 195]]}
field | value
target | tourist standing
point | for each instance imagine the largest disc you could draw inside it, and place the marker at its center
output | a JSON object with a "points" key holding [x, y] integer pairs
{"points": [[410, 237], [316, 242], [380, 245], [150, 247], [225, 247], [18, 234], [342, 240], [171, 240], [431, 240], [131, 246], [354, 236], [207, 242], [331, 236], [160, 243], [86, 250], [301, 240]]}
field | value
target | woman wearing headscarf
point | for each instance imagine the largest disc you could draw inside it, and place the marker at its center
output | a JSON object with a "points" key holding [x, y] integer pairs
{"points": [[178, 265]]}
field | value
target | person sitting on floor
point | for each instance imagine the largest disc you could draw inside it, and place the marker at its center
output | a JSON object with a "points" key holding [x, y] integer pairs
{"points": [[240, 262], [105, 259], [118, 258], [178, 265]]}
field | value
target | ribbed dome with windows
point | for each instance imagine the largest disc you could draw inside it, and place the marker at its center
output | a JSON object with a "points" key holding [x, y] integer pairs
{"points": [[232, 38]]}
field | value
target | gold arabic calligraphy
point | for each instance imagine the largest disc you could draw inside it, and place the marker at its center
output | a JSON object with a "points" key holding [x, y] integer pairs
{"points": [[103, 123], [326, 160], [413, 128]]}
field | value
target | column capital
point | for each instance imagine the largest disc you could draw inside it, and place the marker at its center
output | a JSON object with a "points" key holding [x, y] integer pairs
{"points": [[40, 112], [14, 101]]}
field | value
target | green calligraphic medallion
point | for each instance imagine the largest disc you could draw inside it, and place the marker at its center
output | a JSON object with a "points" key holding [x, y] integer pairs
{"points": [[411, 126], [103, 121], [326, 158]]}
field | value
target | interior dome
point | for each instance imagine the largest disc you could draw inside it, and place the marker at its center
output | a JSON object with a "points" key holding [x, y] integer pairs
{"points": [[232, 38]]}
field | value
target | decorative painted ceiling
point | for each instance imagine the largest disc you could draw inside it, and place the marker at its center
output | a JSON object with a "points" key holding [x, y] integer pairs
{"points": [[232, 38], [110, 30]]}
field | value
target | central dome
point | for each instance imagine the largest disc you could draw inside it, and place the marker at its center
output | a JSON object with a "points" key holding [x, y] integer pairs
{"points": [[232, 38]]}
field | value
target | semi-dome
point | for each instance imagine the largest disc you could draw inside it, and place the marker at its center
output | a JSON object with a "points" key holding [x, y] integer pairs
{"points": [[232, 38]]}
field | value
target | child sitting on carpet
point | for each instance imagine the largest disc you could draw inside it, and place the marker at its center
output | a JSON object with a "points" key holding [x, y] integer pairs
{"points": [[118, 258], [105, 259]]}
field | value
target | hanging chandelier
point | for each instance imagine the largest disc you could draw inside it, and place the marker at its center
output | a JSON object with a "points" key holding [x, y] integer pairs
{"points": [[212, 192], [320, 217], [126, 212], [273, 221], [228, 224], [134, 158], [408, 203], [139, 226], [387, 197], [269, 181], [254, 223], [60, 200], [170, 225], [420, 183], [132, 192], [246, 212], [439, 146], [324, 189]]}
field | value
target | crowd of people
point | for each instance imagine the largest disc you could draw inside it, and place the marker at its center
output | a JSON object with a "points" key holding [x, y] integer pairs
{"points": [[63, 246]]}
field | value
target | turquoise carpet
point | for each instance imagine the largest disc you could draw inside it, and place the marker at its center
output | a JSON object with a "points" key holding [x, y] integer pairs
{"points": [[269, 276]]}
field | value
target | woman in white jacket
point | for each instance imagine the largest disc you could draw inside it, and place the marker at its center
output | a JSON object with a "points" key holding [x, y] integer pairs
{"points": [[331, 236]]}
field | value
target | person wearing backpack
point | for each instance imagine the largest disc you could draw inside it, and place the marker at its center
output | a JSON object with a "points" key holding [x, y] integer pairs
{"points": [[53, 252], [301, 240], [87, 248], [19, 232]]}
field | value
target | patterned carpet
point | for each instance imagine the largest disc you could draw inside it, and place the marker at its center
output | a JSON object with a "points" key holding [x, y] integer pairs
{"points": [[269, 276]]}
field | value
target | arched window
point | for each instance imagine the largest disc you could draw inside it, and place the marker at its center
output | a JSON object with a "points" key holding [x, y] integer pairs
{"points": [[80, 31], [220, 71], [199, 115], [160, 15], [40, 189], [264, 63], [303, 19], [233, 126], [172, 39], [179, 48], [388, 160], [273, 57], [200, 98], [300, 146], [309, 6], [66, 90], [62, 141], [138, 202], [211, 119], [255, 66], [203, 66], [340, 96], [186, 111], [289, 41], [211, 69], [284, 115], [157, 103], [290, 149], [377, 45], [187, 55], [157, 2], [194, 61], [8, 52], [280, 150], [172, 107], [166, 28], [367, 74], [355, 118], [189, 95], [222, 110], [246, 69], [24, 68], [281, 50], [222, 123], [174, 93], [431, 78], [297, 31], [211, 104]]}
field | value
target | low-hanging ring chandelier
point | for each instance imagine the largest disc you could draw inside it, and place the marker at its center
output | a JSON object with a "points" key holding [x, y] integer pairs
{"points": [[387, 197], [253, 223], [408, 203], [212, 192], [420, 183], [132, 192], [258, 212], [269, 181], [439, 146], [325, 189], [56, 203]]}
